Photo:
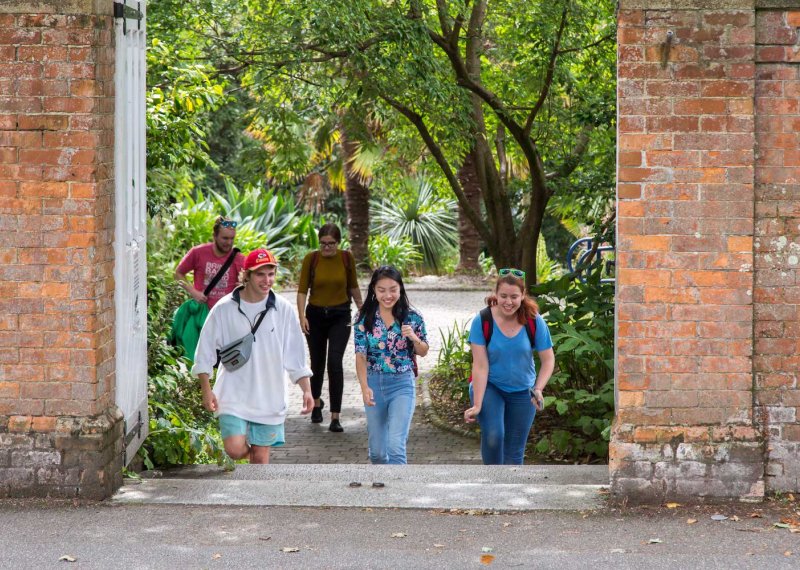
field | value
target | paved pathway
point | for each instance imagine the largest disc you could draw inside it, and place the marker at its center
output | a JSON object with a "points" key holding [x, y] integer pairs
{"points": [[313, 443]]}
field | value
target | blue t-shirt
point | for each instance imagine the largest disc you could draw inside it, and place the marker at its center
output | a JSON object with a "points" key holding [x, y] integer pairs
{"points": [[511, 366]]}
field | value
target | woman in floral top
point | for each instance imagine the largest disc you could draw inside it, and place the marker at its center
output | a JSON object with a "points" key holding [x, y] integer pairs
{"points": [[387, 332]]}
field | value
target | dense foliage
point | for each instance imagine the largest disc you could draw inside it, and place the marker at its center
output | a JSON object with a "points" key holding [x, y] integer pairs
{"points": [[287, 114]]}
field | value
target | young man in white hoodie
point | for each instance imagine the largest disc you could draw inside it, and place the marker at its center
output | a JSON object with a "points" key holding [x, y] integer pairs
{"points": [[250, 399]]}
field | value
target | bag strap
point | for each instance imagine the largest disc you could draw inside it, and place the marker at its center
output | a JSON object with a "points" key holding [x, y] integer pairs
{"points": [[270, 304], [487, 324], [487, 327], [530, 328], [221, 272], [313, 270]]}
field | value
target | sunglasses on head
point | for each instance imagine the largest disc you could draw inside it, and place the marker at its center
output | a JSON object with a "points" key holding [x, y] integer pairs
{"points": [[226, 223], [510, 270]]}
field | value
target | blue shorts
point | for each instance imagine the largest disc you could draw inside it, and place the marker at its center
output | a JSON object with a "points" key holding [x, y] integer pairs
{"points": [[265, 435]]}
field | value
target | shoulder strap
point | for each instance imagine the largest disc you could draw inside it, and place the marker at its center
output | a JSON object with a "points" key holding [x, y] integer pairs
{"points": [[221, 272], [530, 328], [487, 327], [487, 324], [313, 269], [270, 304], [346, 258]]}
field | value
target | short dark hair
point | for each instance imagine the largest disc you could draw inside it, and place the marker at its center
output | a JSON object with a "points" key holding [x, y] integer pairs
{"points": [[330, 230]]}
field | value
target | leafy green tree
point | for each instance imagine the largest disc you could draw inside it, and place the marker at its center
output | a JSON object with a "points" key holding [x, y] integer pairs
{"points": [[526, 87]]}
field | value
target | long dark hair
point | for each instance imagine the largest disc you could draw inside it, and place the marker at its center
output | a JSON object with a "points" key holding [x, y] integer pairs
{"points": [[401, 308], [528, 308]]}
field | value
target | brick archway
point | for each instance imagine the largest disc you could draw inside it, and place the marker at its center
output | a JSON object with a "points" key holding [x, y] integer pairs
{"points": [[708, 329]]}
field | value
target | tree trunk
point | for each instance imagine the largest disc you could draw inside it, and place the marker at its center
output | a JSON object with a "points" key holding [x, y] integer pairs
{"points": [[356, 201], [469, 240]]}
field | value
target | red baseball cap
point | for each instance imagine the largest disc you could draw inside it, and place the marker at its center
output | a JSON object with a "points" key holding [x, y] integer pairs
{"points": [[259, 257]]}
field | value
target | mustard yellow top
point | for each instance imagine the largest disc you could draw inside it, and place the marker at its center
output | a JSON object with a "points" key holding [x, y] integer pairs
{"points": [[332, 281]]}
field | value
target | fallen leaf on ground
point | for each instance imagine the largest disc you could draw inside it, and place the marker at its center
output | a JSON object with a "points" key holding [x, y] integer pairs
{"points": [[290, 549], [438, 545], [655, 541], [735, 518], [67, 558], [399, 535], [487, 559], [719, 518], [756, 516], [780, 525], [506, 524], [216, 556], [617, 551], [787, 553], [264, 537], [487, 549], [691, 521], [672, 505]]}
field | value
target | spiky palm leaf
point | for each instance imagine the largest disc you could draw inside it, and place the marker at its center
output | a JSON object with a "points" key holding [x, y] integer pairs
{"points": [[429, 220]]}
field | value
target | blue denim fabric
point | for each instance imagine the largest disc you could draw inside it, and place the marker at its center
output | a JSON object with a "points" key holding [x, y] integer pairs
{"points": [[389, 420], [505, 419]]}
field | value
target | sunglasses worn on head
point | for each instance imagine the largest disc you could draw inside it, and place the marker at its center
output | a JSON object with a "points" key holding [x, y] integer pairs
{"points": [[226, 223], [515, 272]]}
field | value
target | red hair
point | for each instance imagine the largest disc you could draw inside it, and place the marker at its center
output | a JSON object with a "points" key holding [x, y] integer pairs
{"points": [[528, 308]]}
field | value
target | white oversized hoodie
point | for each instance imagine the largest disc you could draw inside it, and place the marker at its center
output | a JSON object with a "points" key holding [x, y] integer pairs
{"points": [[257, 391]]}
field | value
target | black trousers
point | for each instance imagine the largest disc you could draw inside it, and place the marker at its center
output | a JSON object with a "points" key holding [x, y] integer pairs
{"points": [[329, 332]]}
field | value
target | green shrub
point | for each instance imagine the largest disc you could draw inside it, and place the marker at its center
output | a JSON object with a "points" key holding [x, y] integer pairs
{"points": [[581, 321], [181, 431], [399, 252]]}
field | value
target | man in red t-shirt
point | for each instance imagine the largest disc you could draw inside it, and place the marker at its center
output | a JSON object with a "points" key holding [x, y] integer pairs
{"points": [[206, 260]]}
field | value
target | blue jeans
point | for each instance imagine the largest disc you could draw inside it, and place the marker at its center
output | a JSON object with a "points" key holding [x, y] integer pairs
{"points": [[505, 419], [389, 420]]}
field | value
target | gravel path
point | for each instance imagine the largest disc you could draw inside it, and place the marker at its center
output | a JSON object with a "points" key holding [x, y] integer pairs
{"points": [[313, 443]]}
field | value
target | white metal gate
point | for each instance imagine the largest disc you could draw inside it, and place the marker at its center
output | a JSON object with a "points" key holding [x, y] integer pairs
{"points": [[130, 266]]}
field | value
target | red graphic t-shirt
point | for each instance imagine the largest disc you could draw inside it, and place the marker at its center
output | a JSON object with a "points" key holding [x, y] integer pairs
{"points": [[205, 265]]}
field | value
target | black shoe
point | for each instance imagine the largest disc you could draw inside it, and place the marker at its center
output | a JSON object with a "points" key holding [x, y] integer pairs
{"points": [[336, 426], [316, 413]]}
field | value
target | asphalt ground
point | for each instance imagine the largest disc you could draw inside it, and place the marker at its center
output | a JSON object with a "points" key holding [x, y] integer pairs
{"points": [[37, 534]]}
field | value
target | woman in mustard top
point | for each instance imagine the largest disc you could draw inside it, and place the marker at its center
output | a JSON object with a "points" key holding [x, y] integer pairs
{"points": [[330, 273]]}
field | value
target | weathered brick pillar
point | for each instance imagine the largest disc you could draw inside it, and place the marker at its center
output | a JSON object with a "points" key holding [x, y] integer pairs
{"points": [[777, 241], [60, 432], [685, 422]]}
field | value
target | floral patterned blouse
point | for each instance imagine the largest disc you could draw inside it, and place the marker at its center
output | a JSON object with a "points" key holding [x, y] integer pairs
{"points": [[386, 349]]}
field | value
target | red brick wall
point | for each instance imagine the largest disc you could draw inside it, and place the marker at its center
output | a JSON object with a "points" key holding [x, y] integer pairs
{"points": [[56, 276], [686, 139], [777, 241]]}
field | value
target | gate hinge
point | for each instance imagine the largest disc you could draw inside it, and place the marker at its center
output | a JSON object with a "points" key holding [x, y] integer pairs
{"points": [[136, 431], [122, 10]]}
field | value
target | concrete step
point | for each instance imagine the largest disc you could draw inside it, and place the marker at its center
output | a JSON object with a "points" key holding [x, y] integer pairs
{"points": [[468, 487]]}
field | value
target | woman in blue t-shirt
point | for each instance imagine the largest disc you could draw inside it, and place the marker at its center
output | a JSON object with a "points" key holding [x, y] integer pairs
{"points": [[506, 391], [387, 333]]}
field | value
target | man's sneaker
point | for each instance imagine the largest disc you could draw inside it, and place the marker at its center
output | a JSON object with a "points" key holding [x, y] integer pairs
{"points": [[316, 413]]}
